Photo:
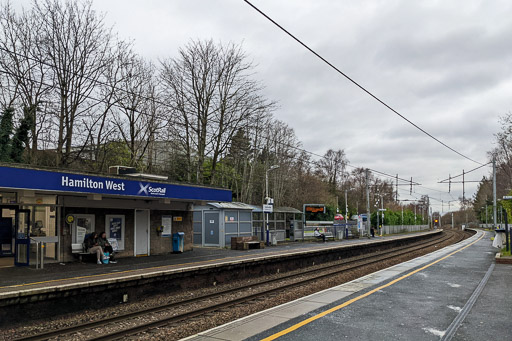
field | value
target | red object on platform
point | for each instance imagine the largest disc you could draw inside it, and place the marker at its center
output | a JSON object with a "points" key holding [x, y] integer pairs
{"points": [[338, 217]]}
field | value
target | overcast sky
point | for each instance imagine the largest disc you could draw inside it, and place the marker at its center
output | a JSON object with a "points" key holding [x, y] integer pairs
{"points": [[445, 65]]}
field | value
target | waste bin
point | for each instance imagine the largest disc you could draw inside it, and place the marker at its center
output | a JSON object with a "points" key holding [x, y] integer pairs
{"points": [[178, 240], [341, 233]]}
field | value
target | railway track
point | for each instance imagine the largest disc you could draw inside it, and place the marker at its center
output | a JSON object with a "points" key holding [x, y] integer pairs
{"points": [[267, 288]]}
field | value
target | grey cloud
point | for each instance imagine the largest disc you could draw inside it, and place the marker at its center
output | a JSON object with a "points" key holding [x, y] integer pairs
{"points": [[444, 65]]}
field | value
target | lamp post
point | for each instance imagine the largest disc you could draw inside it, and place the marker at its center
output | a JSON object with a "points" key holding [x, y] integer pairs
{"points": [[382, 212], [346, 211], [377, 212], [268, 199], [402, 216]]}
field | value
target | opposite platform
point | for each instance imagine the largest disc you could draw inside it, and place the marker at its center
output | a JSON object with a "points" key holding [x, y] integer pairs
{"points": [[422, 299], [19, 282]]}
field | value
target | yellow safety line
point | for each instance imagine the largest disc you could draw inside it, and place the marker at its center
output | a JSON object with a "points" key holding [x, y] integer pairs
{"points": [[349, 302], [134, 270], [117, 272]]}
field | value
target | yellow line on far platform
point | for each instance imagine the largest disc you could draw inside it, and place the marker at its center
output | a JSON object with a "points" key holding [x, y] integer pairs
{"points": [[117, 272], [355, 299], [134, 270]]}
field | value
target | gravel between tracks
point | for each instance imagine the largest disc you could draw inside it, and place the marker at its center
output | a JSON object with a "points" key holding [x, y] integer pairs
{"points": [[193, 326]]}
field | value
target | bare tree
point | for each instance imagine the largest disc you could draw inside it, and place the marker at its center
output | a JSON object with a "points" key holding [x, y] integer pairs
{"points": [[24, 68], [213, 95], [136, 114], [503, 154], [332, 167], [77, 46]]}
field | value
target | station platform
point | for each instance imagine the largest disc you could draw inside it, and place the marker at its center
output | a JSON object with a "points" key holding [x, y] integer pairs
{"points": [[456, 293], [57, 277]]}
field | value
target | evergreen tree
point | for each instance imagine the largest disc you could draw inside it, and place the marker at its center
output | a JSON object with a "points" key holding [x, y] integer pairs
{"points": [[20, 139], [6, 127]]}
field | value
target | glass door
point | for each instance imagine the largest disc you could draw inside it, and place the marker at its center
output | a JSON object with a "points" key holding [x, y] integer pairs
{"points": [[7, 218], [22, 238]]}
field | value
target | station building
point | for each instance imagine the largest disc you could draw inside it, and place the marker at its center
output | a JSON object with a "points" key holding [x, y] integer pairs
{"points": [[216, 223], [60, 208]]}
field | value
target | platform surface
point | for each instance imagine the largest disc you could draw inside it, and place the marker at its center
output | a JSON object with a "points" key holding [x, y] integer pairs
{"points": [[422, 299], [24, 280]]}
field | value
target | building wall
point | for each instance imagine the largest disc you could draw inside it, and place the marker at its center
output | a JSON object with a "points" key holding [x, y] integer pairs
{"points": [[158, 244], [99, 224]]}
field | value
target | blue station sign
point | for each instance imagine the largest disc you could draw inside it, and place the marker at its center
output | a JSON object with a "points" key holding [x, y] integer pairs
{"points": [[42, 180]]}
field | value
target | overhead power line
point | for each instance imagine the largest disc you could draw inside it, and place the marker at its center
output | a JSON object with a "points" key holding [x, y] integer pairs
{"points": [[464, 173], [359, 85]]}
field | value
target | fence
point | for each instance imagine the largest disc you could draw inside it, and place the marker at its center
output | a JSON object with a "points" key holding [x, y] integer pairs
{"points": [[391, 229]]}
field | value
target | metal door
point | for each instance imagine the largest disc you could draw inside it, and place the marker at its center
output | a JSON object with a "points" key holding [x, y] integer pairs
{"points": [[141, 232], [211, 228], [22, 238]]}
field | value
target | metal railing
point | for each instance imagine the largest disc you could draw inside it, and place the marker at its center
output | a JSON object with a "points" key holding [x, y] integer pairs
{"points": [[39, 253]]}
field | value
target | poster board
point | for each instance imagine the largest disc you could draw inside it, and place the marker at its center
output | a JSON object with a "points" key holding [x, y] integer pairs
{"points": [[115, 228], [167, 225]]}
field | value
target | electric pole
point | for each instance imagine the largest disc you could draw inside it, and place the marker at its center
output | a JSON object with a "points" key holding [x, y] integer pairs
{"points": [[494, 191], [368, 202], [396, 193]]}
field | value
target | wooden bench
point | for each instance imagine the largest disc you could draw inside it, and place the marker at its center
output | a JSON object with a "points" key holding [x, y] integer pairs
{"points": [[246, 243]]}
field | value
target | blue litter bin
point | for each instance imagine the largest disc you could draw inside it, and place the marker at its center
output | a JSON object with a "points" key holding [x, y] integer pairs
{"points": [[178, 241]]}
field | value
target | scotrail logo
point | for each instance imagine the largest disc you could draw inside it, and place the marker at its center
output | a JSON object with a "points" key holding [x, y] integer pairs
{"points": [[148, 190], [143, 189]]}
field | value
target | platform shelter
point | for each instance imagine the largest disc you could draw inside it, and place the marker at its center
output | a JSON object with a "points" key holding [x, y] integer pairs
{"points": [[58, 209], [217, 222]]}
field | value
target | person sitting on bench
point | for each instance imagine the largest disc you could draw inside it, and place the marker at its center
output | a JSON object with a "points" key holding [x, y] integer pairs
{"points": [[103, 242], [92, 246], [317, 234]]}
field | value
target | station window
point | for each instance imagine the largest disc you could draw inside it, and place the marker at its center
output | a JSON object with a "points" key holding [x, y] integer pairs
{"points": [[7, 198], [245, 216], [231, 216], [279, 216], [43, 222]]}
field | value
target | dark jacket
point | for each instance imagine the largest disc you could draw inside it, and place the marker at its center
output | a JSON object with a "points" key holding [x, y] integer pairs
{"points": [[91, 242], [102, 242]]}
